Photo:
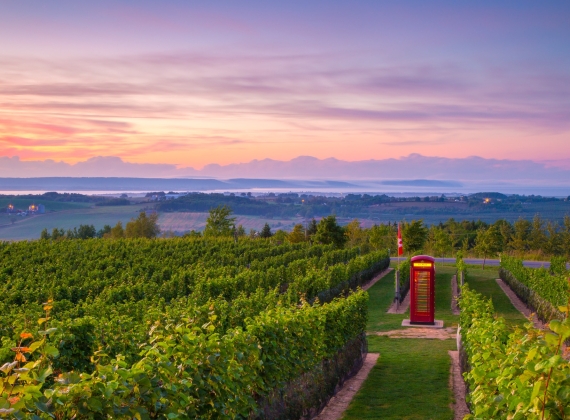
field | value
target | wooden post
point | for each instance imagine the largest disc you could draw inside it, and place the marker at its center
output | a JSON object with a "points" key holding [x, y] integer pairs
{"points": [[397, 291]]}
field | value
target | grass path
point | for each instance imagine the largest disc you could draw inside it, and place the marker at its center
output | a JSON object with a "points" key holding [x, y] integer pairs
{"points": [[484, 282], [411, 378], [410, 381]]}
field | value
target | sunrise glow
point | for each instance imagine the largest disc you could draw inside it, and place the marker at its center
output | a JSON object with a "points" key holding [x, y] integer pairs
{"points": [[227, 82]]}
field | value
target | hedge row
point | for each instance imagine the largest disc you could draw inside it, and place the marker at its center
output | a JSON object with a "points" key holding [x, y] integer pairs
{"points": [[545, 310], [187, 370], [551, 287], [510, 374]]}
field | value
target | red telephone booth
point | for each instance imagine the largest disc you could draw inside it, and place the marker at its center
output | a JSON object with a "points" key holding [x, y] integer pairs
{"points": [[422, 290]]}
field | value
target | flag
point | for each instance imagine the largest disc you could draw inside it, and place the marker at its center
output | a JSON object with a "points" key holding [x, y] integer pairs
{"points": [[400, 244]]}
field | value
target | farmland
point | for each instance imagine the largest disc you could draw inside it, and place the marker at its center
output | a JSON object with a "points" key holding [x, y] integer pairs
{"points": [[248, 310], [101, 324], [31, 226], [282, 211]]}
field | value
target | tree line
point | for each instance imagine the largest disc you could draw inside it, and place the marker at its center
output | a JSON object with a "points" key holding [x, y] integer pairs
{"points": [[144, 226], [534, 239]]}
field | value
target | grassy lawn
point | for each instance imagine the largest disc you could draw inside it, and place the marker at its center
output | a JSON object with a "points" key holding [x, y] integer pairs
{"points": [[410, 381], [382, 294], [484, 282], [411, 377]]}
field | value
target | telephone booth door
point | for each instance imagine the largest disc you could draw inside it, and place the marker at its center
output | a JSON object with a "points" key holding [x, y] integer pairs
{"points": [[422, 290]]}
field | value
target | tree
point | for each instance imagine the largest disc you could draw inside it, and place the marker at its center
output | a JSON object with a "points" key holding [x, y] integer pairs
{"points": [[45, 234], [442, 242], [297, 234], [537, 237], [565, 235], [465, 246], [488, 242], [506, 231], [219, 222], [383, 237], [117, 231], [266, 231], [57, 234], [279, 237], [240, 231], [85, 232], [519, 239], [456, 233], [355, 236], [192, 234], [103, 233], [329, 232], [143, 226], [312, 228], [414, 236], [553, 244]]}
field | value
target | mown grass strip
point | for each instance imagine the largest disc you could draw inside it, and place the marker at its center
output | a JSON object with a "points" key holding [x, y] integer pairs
{"points": [[484, 282], [382, 294], [410, 381]]}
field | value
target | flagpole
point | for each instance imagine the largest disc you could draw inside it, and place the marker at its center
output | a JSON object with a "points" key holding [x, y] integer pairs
{"points": [[399, 249]]}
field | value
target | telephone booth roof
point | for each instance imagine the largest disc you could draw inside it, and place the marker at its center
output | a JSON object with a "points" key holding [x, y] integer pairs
{"points": [[423, 258]]}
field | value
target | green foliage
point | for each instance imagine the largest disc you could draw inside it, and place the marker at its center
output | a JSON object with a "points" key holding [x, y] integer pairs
{"points": [[355, 235], [383, 237], [177, 328], [488, 243], [513, 374], [558, 266], [297, 234], [460, 264], [414, 236], [551, 287], [329, 232], [219, 222], [143, 226], [442, 244], [404, 277], [265, 232], [186, 370]]}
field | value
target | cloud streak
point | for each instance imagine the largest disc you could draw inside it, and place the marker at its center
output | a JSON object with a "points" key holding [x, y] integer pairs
{"points": [[188, 85]]}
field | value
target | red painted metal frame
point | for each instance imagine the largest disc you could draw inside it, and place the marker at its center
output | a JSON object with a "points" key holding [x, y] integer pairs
{"points": [[422, 290]]}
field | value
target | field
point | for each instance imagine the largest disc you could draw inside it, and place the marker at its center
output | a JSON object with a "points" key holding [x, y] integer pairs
{"points": [[30, 227], [184, 222], [435, 212], [138, 328], [68, 215]]}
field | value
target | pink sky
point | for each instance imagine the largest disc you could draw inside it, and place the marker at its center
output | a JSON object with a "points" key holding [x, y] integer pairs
{"points": [[192, 85]]}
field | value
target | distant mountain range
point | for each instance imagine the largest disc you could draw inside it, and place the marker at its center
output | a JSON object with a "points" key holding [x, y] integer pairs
{"points": [[304, 172]]}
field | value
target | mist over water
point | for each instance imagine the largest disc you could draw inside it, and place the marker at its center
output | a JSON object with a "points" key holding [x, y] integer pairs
{"points": [[391, 190]]}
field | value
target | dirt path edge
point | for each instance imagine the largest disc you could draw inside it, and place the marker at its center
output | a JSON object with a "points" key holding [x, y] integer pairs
{"points": [[520, 305], [375, 279], [338, 404], [457, 385]]}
